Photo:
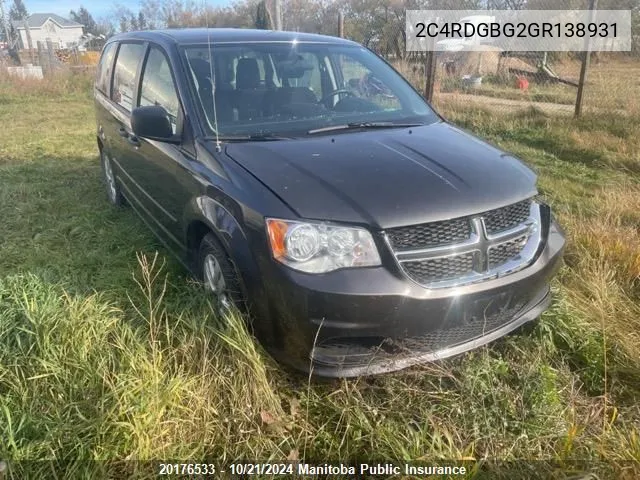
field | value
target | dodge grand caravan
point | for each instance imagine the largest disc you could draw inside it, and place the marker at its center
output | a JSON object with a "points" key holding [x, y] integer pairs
{"points": [[302, 179]]}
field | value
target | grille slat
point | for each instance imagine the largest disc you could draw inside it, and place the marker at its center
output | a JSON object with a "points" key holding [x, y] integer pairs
{"points": [[505, 218], [430, 234], [438, 269], [503, 252]]}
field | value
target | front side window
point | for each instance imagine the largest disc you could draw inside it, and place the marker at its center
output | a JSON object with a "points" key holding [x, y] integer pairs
{"points": [[124, 77], [289, 89], [158, 87], [105, 67]]}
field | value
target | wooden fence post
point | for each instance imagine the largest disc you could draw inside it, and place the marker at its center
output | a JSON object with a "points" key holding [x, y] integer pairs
{"points": [[42, 59], [593, 4], [51, 55], [430, 71], [29, 42]]}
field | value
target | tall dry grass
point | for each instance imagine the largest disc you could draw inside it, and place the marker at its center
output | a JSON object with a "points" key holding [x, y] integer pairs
{"points": [[85, 380], [66, 82]]}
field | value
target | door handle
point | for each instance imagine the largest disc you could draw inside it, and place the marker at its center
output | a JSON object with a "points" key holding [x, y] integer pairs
{"points": [[123, 132], [133, 140]]}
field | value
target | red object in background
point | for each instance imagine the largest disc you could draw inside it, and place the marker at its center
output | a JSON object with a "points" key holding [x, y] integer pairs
{"points": [[522, 83]]}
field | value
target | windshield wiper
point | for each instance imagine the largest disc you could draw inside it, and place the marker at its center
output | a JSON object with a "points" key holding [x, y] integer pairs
{"points": [[254, 137], [363, 125]]}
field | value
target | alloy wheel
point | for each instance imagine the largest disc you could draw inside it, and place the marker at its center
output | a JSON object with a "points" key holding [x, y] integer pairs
{"points": [[110, 178], [215, 282]]}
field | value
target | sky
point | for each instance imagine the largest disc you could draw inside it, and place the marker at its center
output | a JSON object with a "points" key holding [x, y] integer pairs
{"points": [[96, 8]]}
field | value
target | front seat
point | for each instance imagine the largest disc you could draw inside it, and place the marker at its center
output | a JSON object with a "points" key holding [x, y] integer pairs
{"points": [[224, 110], [249, 94], [296, 101]]}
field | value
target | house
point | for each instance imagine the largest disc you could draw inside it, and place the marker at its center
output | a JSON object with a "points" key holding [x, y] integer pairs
{"points": [[63, 33]]}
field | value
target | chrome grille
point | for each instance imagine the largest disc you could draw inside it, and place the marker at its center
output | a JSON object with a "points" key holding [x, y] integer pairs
{"points": [[430, 234], [468, 249], [442, 268], [508, 217]]}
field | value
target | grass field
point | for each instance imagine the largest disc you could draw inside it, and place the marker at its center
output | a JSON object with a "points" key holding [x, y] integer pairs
{"points": [[109, 352]]}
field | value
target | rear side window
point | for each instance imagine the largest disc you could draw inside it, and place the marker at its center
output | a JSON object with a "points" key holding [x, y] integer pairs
{"points": [[157, 85], [124, 76], [105, 67]]}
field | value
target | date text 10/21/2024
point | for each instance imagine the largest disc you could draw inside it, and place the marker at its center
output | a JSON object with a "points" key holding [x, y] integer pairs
{"points": [[247, 469]]}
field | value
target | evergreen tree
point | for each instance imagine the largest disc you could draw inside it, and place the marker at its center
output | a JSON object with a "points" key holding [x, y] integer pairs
{"points": [[18, 10], [263, 19], [83, 17]]}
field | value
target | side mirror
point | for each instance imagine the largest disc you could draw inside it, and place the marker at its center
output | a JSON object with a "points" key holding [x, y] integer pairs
{"points": [[152, 122]]}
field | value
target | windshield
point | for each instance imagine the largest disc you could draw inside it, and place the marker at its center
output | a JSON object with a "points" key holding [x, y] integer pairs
{"points": [[289, 89]]}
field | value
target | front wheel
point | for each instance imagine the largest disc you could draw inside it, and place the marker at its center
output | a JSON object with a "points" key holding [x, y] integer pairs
{"points": [[113, 190], [219, 275]]}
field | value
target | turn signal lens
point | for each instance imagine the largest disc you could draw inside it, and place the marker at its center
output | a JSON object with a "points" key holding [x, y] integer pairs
{"points": [[277, 231]]}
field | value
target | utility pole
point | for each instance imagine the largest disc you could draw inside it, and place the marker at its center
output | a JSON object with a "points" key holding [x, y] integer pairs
{"points": [[341, 24]]}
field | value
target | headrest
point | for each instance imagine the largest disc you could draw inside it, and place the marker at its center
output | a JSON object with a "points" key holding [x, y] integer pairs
{"points": [[247, 74]]}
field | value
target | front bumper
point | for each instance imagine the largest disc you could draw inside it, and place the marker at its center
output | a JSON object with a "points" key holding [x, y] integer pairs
{"points": [[368, 321]]}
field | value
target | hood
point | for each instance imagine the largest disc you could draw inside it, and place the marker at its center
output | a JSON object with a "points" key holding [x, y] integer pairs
{"points": [[388, 178]]}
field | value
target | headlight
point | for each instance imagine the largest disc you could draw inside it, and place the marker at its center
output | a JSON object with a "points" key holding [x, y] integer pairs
{"points": [[319, 248]]}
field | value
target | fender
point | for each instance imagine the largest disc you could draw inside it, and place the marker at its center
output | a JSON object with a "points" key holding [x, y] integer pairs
{"points": [[222, 219]]}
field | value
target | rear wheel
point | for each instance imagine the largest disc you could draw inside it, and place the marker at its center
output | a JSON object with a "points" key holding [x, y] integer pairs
{"points": [[113, 190], [219, 275]]}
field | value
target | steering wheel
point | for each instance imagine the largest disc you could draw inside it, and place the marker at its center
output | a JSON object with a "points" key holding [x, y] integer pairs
{"points": [[334, 93]]}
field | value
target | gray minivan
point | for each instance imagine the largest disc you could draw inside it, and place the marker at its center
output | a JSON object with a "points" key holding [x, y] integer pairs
{"points": [[306, 182]]}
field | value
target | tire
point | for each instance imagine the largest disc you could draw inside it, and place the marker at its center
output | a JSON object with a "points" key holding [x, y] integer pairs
{"points": [[219, 275], [113, 190]]}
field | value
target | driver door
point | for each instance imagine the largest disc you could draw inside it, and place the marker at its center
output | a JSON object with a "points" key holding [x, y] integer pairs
{"points": [[157, 161]]}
